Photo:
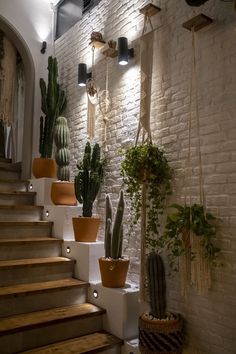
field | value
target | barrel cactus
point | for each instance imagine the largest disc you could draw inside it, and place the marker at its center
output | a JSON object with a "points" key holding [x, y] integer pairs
{"points": [[53, 103], [157, 285], [89, 178], [114, 235], [62, 156]]}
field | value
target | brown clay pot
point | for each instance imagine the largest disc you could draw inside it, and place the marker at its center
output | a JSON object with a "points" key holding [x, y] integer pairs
{"points": [[113, 271], [44, 167], [63, 193], [85, 229]]}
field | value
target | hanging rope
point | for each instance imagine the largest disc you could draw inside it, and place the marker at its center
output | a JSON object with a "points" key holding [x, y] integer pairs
{"points": [[92, 99]]}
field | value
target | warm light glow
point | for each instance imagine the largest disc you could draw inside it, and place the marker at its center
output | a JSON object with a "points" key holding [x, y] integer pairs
{"points": [[123, 62], [95, 294], [31, 186], [47, 213], [82, 84], [68, 250]]}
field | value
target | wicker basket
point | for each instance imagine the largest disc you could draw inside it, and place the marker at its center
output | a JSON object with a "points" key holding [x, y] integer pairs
{"points": [[161, 337]]}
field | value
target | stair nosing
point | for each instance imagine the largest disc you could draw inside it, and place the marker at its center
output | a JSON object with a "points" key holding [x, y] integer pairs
{"points": [[26, 223], [18, 290], [18, 193], [21, 207], [28, 240], [50, 321], [35, 262]]}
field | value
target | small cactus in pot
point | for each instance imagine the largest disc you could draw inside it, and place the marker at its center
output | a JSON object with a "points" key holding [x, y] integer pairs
{"points": [[114, 267]]}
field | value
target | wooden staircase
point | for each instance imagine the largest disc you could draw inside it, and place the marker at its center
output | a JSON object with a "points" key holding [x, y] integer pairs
{"points": [[43, 309]]}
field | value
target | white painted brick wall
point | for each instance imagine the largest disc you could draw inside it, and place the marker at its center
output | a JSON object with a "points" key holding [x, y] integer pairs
{"points": [[211, 319]]}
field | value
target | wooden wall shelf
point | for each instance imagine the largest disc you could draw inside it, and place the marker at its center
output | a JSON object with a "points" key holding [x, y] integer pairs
{"points": [[149, 10], [198, 22]]}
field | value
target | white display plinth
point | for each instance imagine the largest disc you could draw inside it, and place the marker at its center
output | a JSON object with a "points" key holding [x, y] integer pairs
{"points": [[122, 308], [61, 216], [131, 347], [86, 255], [42, 186]]}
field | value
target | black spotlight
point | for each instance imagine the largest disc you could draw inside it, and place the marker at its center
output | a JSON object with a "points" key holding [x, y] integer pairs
{"points": [[123, 52], [44, 47], [83, 76]]}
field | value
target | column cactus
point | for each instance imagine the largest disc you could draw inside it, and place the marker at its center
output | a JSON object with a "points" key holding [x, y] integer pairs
{"points": [[157, 285], [89, 178], [114, 235], [62, 155], [53, 103]]}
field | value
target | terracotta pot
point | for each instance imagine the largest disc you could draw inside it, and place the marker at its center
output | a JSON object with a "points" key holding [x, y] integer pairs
{"points": [[156, 337], [85, 229], [63, 193], [113, 272], [44, 167]]}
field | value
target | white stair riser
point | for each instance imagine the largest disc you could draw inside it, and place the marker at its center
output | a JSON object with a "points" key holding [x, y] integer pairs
{"points": [[42, 301], [9, 174], [31, 250], [16, 199], [33, 274], [28, 339], [14, 214], [25, 231], [20, 186]]}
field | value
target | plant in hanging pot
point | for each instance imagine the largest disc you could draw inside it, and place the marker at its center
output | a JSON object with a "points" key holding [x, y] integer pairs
{"points": [[160, 332], [53, 103], [87, 184], [114, 267], [176, 237], [62, 191]]}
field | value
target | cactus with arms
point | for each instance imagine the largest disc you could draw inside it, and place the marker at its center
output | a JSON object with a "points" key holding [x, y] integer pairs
{"points": [[114, 236], [89, 178], [62, 156], [157, 285], [53, 103]]}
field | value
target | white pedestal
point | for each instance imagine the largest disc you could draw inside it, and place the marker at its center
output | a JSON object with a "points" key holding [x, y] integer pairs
{"points": [[61, 216], [130, 347], [122, 308], [86, 255], [43, 188]]}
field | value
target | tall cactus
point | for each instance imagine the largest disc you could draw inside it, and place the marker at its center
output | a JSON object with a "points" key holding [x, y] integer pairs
{"points": [[62, 155], [89, 178], [53, 103], [157, 285], [114, 236]]}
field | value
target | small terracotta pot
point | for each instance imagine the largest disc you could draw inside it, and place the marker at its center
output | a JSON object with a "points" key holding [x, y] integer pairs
{"points": [[44, 167], [86, 229], [113, 271], [63, 193]]}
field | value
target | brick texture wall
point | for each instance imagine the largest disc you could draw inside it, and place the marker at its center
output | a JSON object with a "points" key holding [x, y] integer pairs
{"points": [[210, 319]]}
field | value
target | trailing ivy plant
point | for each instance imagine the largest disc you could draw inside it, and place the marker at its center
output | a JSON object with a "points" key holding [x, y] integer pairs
{"points": [[179, 224], [147, 164]]}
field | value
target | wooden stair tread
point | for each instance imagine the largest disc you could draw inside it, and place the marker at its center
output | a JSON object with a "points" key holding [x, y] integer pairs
{"points": [[31, 262], [5, 160], [9, 166], [17, 193], [29, 240], [12, 181], [16, 323], [89, 344], [52, 285], [21, 207], [25, 223]]}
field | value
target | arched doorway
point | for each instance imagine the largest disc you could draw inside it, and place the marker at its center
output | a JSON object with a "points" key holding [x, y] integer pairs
{"points": [[29, 71]]}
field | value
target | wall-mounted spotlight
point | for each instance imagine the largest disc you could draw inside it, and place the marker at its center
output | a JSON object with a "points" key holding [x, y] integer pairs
{"points": [[44, 47], [124, 53], [83, 76]]}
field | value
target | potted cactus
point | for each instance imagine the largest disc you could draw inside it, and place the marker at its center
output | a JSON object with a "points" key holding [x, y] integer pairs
{"points": [[159, 331], [53, 103], [87, 184], [114, 267], [62, 191]]}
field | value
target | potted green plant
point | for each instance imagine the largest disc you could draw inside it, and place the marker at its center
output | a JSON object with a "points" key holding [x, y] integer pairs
{"points": [[179, 224], [114, 267], [159, 331], [53, 103], [87, 184], [146, 165], [62, 191]]}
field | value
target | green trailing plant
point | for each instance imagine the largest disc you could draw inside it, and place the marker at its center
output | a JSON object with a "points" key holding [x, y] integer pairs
{"points": [[62, 155], [157, 285], [179, 224], [89, 178], [147, 164], [53, 103], [114, 234]]}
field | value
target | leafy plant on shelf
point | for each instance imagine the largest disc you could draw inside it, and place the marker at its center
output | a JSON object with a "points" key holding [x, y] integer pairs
{"points": [[147, 165], [179, 224]]}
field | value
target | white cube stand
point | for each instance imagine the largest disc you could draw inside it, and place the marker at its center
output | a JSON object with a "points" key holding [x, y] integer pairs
{"points": [[42, 186], [86, 255], [122, 308]]}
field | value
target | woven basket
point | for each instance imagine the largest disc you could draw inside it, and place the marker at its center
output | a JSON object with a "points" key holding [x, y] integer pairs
{"points": [[161, 337]]}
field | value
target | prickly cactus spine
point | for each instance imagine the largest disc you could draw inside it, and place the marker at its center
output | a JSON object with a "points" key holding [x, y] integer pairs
{"points": [[157, 285], [62, 156]]}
